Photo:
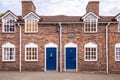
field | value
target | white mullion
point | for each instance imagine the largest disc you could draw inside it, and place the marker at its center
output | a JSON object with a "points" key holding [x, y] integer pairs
{"points": [[14, 53], [96, 26], [6, 53], [26, 53], [9, 25], [31, 53], [90, 25], [90, 53], [14, 26], [96, 53], [119, 26], [85, 53], [4, 23], [34, 25], [30, 25], [87, 25]]}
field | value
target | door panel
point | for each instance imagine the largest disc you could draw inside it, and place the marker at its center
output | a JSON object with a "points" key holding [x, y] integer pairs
{"points": [[70, 58], [51, 58]]}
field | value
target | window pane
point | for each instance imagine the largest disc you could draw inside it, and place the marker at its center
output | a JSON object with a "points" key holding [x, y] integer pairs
{"points": [[9, 25], [117, 53], [90, 25], [31, 25], [90, 53], [31, 54]]}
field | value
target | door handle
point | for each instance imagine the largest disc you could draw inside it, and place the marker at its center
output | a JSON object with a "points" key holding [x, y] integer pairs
{"points": [[51, 56]]}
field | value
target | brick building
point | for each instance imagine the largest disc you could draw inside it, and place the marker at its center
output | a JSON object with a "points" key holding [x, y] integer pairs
{"points": [[59, 43]]}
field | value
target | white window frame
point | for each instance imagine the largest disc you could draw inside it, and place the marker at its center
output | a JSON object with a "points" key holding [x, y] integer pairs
{"points": [[3, 25], [8, 45], [30, 21], [90, 21], [90, 45], [31, 45], [117, 45]]}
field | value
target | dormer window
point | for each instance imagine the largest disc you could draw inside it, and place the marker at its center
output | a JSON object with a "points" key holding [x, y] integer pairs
{"points": [[8, 22], [31, 22], [90, 22], [31, 25], [8, 25], [90, 25]]}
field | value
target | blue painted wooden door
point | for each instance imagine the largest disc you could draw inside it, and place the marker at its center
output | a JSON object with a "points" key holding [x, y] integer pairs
{"points": [[70, 58], [51, 58]]}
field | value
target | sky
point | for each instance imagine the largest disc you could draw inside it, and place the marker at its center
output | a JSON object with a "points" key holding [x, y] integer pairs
{"points": [[62, 7]]}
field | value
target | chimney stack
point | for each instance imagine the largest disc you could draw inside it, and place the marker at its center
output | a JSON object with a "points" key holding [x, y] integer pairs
{"points": [[93, 6], [27, 6]]}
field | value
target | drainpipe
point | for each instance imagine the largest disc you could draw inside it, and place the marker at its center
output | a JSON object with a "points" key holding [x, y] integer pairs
{"points": [[60, 47], [20, 48], [107, 60]]}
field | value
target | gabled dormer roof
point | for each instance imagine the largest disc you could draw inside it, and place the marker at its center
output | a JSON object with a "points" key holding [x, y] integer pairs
{"points": [[9, 13], [90, 14], [117, 17], [33, 14]]}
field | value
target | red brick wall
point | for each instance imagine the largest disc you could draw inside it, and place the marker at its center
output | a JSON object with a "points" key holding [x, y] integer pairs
{"points": [[114, 37], [14, 39], [81, 39], [46, 34]]}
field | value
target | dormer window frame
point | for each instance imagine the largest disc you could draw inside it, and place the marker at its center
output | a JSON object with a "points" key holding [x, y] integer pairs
{"points": [[90, 21], [119, 25], [9, 25], [32, 22], [35, 23]]}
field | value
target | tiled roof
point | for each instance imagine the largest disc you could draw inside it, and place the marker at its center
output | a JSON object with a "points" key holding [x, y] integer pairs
{"points": [[61, 18]]}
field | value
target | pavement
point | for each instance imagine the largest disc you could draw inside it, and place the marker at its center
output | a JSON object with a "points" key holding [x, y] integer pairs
{"points": [[57, 76]]}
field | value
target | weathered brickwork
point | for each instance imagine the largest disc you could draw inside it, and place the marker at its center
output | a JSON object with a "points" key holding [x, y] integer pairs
{"points": [[14, 39], [49, 31], [46, 34], [81, 39], [114, 37]]}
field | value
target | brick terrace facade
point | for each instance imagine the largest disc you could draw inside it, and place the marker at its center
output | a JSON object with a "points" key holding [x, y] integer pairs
{"points": [[72, 31]]}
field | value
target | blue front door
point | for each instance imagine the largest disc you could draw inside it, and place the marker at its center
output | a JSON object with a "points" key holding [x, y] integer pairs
{"points": [[70, 58], [51, 58]]}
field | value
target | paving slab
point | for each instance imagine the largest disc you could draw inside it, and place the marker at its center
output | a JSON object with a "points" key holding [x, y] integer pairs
{"points": [[57, 76]]}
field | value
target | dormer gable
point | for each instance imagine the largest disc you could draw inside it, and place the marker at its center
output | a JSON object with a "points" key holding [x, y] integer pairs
{"points": [[32, 15], [89, 16], [118, 17], [9, 15]]}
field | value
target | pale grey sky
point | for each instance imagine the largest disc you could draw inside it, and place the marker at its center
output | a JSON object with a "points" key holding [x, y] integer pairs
{"points": [[61, 7]]}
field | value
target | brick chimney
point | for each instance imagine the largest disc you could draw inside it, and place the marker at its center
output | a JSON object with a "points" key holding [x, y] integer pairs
{"points": [[27, 6], [93, 6]]}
